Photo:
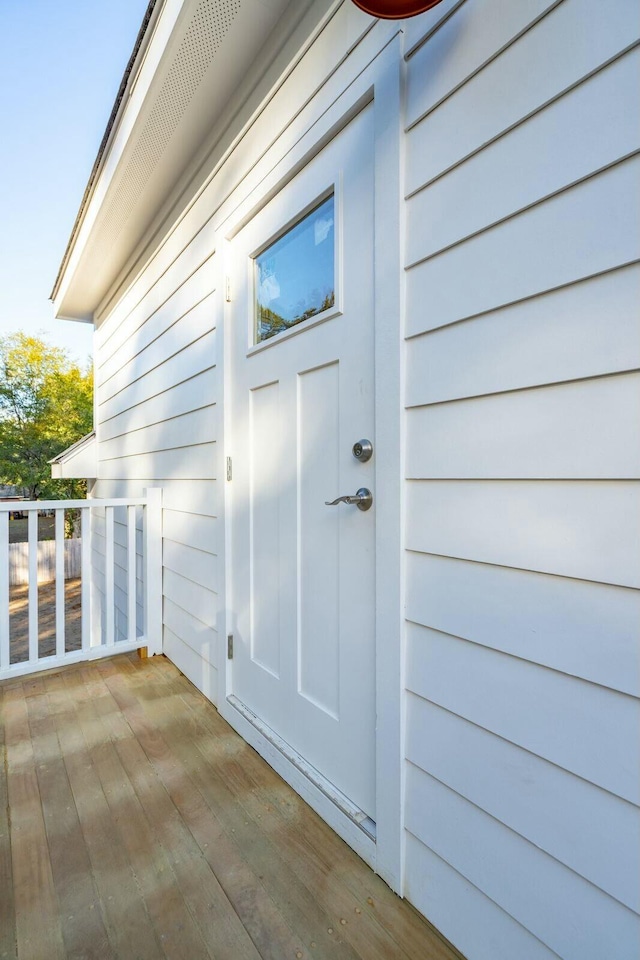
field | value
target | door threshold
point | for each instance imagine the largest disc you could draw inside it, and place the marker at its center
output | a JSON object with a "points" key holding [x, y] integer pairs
{"points": [[349, 809]]}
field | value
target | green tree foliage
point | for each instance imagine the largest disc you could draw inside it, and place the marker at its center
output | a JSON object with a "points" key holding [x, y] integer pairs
{"points": [[46, 404]]}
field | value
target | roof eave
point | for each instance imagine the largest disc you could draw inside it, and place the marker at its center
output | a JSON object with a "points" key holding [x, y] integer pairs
{"points": [[77, 462], [144, 34]]}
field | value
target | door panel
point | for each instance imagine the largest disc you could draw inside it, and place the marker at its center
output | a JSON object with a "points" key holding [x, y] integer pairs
{"points": [[319, 543], [266, 589], [303, 573]]}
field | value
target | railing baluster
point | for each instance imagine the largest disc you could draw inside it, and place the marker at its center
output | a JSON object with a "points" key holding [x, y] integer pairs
{"points": [[85, 587], [109, 577], [5, 651], [131, 573], [103, 628], [60, 604], [33, 584]]}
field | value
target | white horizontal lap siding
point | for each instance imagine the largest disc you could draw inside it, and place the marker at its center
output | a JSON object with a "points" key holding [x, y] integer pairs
{"points": [[583, 330], [585, 529], [569, 914], [575, 39], [182, 430], [172, 402], [194, 328], [582, 727], [445, 896], [198, 532], [521, 788], [155, 290], [557, 242], [198, 497], [568, 433], [197, 600], [164, 334], [199, 566], [510, 174], [522, 469], [462, 45], [581, 628], [195, 667], [200, 638], [182, 366], [158, 425], [181, 463]]}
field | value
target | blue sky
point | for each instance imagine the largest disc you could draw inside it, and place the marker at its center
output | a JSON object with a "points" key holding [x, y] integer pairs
{"points": [[61, 62]]}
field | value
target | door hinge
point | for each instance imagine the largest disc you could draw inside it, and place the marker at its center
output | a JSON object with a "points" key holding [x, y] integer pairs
{"points": [[230, 647], [227, 289], [229, 469]]}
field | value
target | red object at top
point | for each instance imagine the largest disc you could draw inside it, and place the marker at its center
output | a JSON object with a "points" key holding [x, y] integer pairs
{"points": [[395, 9]]}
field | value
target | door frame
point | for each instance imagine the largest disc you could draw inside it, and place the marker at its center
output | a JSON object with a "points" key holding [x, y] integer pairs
{"points": [[379, 85]]}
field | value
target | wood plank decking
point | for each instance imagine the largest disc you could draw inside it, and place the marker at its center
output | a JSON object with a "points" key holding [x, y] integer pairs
{"points": [[135, 823], [19, 614]]}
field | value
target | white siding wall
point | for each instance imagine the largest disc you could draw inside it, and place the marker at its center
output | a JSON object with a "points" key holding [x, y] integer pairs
{"points": [[157, 398], [522, 425]]}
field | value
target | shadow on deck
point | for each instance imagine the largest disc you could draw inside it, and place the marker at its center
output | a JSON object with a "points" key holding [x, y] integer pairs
{"points": [[135, 823]]}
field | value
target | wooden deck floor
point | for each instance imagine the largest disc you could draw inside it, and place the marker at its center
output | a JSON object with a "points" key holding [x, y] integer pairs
{"points": [[19, 619], [134, 823]]}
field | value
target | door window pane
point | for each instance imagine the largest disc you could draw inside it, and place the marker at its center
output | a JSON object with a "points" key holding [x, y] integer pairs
{"points": [[294, 277]]}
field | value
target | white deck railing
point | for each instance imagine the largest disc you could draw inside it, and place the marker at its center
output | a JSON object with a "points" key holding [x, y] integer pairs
{"points": [[120, 585]]}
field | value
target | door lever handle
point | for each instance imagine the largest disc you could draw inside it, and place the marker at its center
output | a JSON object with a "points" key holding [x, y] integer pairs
{"points": [[363, 499]]}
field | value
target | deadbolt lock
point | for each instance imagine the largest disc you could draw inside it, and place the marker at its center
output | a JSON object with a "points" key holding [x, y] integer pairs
{"points": [[363, 450]]}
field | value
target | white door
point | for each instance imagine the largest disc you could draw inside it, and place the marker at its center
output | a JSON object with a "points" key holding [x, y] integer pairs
{"points": [[302, 373]]}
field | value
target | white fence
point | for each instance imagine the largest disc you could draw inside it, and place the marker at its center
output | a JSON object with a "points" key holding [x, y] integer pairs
{"points": [[19, 561], [120, 566]]}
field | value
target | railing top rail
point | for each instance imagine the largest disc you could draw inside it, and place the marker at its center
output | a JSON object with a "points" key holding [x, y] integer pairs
{"points": [[15, 506]]}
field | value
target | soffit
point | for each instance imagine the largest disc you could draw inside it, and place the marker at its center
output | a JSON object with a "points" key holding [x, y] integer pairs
{"points": [[196, 73]]}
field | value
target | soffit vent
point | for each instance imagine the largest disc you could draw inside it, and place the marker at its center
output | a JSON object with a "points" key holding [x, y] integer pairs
{"points": [[206, 33]]}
